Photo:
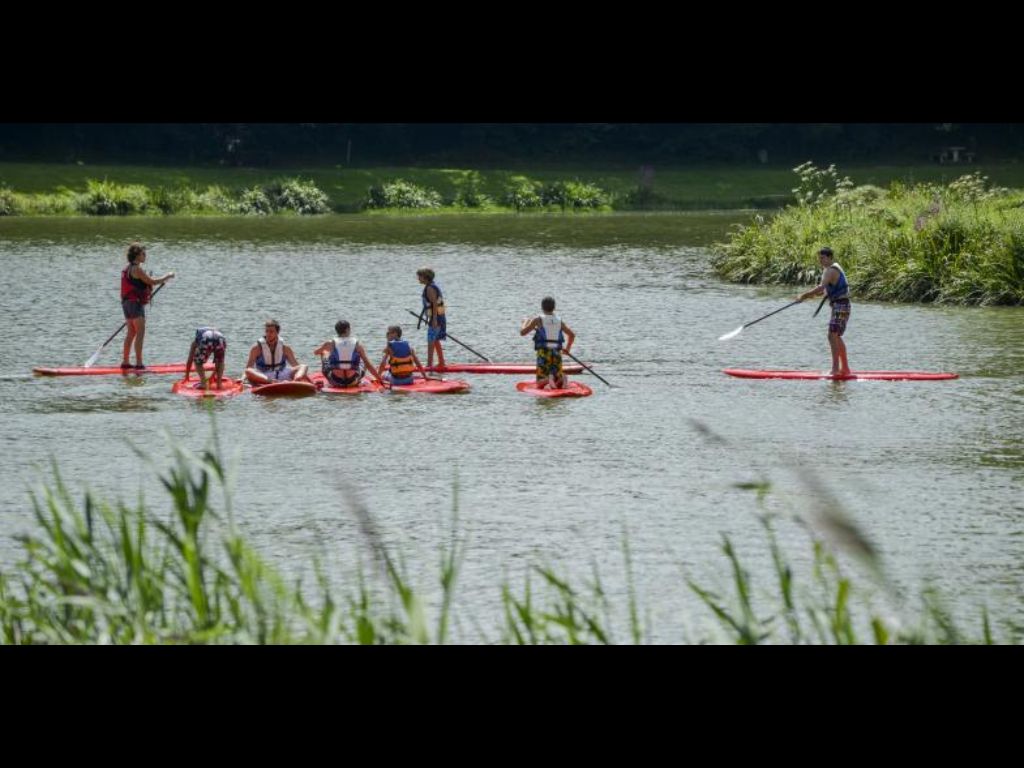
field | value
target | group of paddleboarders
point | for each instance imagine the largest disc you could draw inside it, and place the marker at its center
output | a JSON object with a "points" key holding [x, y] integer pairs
{"points": [[272, 360]]}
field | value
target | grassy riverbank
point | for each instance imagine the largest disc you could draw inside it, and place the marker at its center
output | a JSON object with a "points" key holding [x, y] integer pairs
{"points": [[958, 243], [57, 189]]}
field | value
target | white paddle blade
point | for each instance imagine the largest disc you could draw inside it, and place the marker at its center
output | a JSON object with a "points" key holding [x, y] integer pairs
{"points": [[93, 358], [731, 334]]}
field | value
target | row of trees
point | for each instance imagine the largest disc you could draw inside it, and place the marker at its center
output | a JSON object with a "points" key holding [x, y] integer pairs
{"points": [[269, 144]]}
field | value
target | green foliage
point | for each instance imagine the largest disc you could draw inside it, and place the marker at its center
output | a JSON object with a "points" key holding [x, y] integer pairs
{"points": [[468, 191], [8, 202], [302, 197], [521, 193], [402, 194], [573, 194], [958, 243], [108, 198], [254, 202]]}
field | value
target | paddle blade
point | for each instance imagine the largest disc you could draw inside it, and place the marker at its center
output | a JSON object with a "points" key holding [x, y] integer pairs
{"points": [[93, 358], [731, 334]]}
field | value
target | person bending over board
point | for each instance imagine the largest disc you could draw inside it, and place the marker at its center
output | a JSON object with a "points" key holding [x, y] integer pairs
{"points": [[208, 341]]}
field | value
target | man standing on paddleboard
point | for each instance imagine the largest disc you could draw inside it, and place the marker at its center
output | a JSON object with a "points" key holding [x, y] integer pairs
{"points": [[834, 285]]}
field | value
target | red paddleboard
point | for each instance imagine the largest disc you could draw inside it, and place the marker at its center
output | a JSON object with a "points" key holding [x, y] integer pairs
{"points": [[432, 386], [575, 389], [286, 389], [853, 376], [111, 370], [191, 388], [524, 368], [366, 384]]}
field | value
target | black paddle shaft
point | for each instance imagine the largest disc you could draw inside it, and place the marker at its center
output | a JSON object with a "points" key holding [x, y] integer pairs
{"points": [[485, 359]]}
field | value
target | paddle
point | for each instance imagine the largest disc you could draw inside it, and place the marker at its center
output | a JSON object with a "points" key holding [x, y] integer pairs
{"points": [[570, 354], [449, 335], [96, 355], [734, 334], [820, 305]]}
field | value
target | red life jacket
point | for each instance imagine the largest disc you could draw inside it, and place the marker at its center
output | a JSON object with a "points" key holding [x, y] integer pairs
{"points": [[134, 289]]}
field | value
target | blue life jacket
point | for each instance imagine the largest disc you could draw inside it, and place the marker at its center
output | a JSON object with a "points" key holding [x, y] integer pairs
{"points": [[544, 337], [401, 362], [841, 289]]}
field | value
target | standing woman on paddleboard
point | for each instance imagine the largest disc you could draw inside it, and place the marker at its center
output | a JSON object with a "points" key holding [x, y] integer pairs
{"points": [[136, 289], [437, 324], [834, 285]]}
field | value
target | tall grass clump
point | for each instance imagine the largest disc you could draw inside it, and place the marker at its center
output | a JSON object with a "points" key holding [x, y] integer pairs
{"points": [[522, 193], [108, 198], [959, 243]]}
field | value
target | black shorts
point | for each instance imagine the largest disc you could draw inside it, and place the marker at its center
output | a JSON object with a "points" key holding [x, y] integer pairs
{"points": [[133, 309]]}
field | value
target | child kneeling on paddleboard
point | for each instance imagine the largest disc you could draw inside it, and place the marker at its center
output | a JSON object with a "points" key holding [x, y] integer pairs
{"points": [[400, 358], [549, 336], [208, 341], [270, 359], [340, 358]]}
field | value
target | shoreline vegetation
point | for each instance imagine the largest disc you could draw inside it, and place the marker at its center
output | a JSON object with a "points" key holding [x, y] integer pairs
{"points": [[101, 574], [41, 189], [956, 243]]}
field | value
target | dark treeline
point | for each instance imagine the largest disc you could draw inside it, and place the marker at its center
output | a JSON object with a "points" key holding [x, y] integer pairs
{"points": [[482, 144]]}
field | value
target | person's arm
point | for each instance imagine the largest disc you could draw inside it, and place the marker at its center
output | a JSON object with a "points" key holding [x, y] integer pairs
{"points": [[387, 354], [528, 325], [571, 337], [140, 274], [432, 298], [188, 360], [830, 276], [418, 364], [366, 360], [289, 356], [324, 349], [253, 353]]}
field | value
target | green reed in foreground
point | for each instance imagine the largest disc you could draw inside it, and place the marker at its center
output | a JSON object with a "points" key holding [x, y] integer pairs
{"points": [[96, 573]]}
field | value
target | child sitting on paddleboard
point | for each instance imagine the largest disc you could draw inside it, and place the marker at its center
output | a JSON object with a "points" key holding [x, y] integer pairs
{"points": [[400, 357], [340, 358]]}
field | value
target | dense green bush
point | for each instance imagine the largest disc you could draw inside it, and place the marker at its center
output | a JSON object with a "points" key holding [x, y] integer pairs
{"points": [[468, 191], [303, 197], [402, 194], [522, 193], [254, 202], [573, 194], [8, 202], [108, 198]]}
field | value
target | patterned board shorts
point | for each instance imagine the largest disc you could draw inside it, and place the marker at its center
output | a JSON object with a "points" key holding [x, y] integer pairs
{"points": [[549, 363], [206, 346], [840, 316]]}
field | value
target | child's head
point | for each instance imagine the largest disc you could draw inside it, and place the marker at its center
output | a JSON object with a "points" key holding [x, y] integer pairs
{"points": [[425, 275], [547, 304], [342, 327], [394, 332], [135, 250]]}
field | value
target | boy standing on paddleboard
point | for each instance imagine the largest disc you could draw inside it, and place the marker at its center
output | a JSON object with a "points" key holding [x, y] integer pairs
{"points": [[437, 323], [834, 285]]}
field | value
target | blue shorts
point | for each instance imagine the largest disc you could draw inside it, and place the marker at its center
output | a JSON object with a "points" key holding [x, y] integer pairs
{"points": [[437, 334]]}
